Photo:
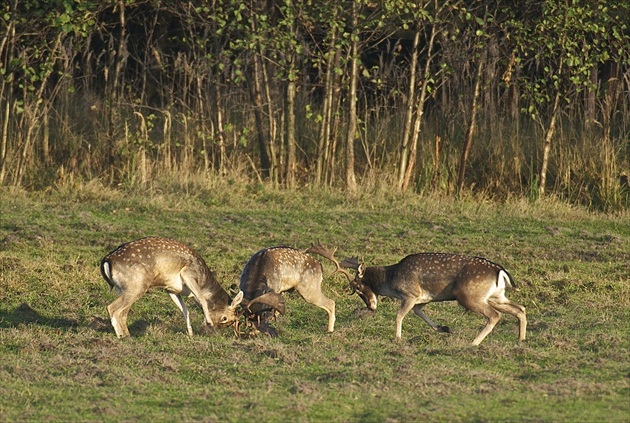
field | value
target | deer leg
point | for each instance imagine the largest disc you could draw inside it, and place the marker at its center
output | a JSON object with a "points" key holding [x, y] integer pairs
{"points": [[405, 307], [506, 306], [179, 302], [114, 315], [493, 319], [189, 280], [438, 328], [119, 309], [315, 297], [485, 309]]}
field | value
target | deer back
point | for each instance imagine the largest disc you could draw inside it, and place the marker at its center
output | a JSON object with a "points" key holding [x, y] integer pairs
{"points": [[278, 269], [156, 262], [429, 276]]}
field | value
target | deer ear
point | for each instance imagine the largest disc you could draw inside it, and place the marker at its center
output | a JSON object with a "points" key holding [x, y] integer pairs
{"points": [[350, 263], [361, 270], [237, 300]]}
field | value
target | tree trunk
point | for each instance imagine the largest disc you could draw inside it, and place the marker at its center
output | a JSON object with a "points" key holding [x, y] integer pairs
{"points": [[272, 130], [549, 133], [257, 98], [117, 60], [203, 129], [46, 139], [547, 145], [121, 51], [590, 99], [264, 111], [3, 142], [613, 92], [220, 132], [415, 135], [474, 106], [334, 120], [323, 144], [351, 183], [7, 45], [411, 95], [290, 128]]}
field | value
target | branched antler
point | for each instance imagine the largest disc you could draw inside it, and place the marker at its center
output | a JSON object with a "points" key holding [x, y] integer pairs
{"points": [[271, 299], [253, 319], [323, 251]]}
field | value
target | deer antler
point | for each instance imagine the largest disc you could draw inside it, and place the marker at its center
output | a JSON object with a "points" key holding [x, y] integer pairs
{"points": [[323, 251], [271, 299]]}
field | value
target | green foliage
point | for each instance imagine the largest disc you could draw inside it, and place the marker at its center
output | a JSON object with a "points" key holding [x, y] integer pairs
{"points": [[74, 79], [568, 41]]}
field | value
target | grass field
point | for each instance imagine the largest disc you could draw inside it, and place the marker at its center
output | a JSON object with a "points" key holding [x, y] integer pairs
{"points": [[62, 362]]}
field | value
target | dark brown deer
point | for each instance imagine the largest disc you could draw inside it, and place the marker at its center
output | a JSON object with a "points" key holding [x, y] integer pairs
{"points": [[280, 269], [418, 279], [137, 266]]}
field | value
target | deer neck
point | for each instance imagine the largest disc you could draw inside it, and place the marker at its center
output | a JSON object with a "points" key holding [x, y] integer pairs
{"points": [[375, 278], [209, 285]]}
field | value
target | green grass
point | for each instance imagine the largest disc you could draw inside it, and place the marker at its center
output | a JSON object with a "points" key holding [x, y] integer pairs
{"points": [[62, 362]]}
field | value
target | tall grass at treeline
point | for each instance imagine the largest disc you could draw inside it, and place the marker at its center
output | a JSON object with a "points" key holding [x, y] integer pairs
{"points": [[161, 152]]}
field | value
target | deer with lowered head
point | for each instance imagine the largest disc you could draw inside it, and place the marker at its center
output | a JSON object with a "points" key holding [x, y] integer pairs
{"points": [[418, 279], [154, 262], [279, 269]]}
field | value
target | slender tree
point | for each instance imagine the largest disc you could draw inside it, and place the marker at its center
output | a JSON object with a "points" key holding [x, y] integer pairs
{"points": [[479, 56], [472, 123], [351, 183]]}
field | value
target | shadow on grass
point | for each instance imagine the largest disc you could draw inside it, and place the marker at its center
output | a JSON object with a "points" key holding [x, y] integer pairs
{"points": [[137, 328], [25, 314]]}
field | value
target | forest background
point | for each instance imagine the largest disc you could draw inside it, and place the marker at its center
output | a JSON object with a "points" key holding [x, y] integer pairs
{"points": [[505, 98]]}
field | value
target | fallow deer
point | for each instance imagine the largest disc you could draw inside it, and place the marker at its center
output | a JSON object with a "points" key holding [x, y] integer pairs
{"points": [[154, 262], [418, 279], [280, 269]]}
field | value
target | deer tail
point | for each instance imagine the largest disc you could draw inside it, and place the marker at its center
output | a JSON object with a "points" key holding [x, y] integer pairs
{"points": [[106, 272], [505, 279]]}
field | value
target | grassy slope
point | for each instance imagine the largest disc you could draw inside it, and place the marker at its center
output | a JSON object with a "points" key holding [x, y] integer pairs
{"points": [[61, 360]]}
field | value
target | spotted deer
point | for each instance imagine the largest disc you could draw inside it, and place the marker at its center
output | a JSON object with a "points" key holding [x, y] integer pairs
{"points": [[154, 262], [280, 269], [418, 279]]}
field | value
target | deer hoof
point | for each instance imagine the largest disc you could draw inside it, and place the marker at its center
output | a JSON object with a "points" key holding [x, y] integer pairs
{"points": [[268, 330], [443, 329]]}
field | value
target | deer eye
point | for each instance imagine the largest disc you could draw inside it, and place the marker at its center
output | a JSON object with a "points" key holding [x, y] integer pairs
{"points": [[224, 319]]}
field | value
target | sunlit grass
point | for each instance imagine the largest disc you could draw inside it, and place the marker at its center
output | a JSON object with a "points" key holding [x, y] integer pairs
{"points": [[62, 361]]}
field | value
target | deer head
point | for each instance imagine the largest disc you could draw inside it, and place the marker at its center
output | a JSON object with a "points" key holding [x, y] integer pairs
{"points": [[356, 285], [361, 289]]}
